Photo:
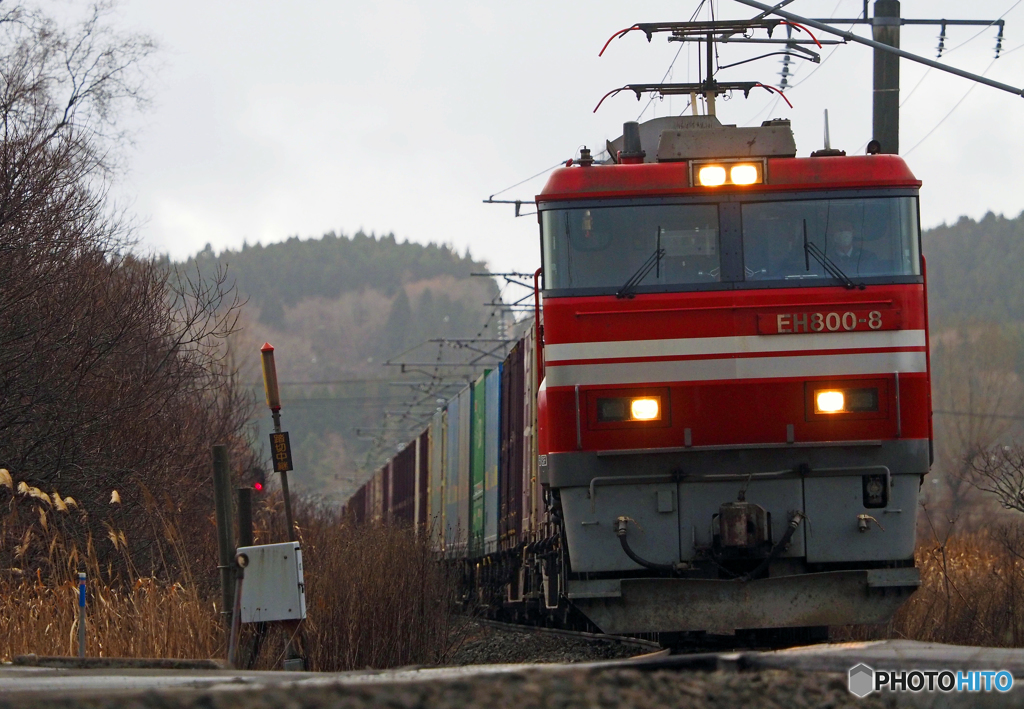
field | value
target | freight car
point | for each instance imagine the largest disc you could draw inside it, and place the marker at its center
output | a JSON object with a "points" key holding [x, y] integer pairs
{"points": [[722, 419]]}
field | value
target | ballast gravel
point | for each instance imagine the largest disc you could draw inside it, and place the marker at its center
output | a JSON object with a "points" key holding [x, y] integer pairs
{"points": [[529, 689], [483, 644]]}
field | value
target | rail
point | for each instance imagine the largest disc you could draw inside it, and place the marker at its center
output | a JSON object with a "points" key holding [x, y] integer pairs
{"points": [[653, 649]]}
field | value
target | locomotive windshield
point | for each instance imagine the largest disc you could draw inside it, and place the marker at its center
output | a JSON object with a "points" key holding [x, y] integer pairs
{"points": [[673, 247], [862, 237], [602, 247]]}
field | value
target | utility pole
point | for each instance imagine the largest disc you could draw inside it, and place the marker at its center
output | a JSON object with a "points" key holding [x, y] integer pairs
{"points": [[885, 117], [885, 29]]}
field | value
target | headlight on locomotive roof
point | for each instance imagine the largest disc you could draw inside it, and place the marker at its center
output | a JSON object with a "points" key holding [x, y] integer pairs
{"points": [[829, 402], [645, 409], [711, 175], [744, 174]]}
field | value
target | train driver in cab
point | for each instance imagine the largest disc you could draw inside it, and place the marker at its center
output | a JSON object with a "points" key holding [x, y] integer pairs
{"points": [[845, 251]]}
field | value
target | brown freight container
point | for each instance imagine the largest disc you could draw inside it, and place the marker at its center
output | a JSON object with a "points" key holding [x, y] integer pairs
{"points": [[375, 500], [510, 470], [403, 485], [357, 506], [423, 482]]}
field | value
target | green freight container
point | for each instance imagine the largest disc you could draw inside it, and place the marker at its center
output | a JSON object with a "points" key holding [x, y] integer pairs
{"points": [[476, 468]]}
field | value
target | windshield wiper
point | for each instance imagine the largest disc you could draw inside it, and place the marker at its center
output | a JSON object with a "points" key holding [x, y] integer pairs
{"points": [[812, 249], [629, 287]]}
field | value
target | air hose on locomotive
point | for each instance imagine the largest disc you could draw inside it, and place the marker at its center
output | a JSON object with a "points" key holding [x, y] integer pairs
{"points": [[797, 518], [620, 532]]}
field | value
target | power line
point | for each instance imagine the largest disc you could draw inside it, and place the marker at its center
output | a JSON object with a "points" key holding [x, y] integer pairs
{"points": [[532, 177], [966, 42], [956, 106]]}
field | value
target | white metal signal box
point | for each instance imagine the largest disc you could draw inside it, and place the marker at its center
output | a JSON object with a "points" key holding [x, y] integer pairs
{"points": [[273, 587]]}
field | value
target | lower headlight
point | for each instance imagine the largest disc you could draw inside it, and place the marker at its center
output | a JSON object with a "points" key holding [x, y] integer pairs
{"points": [[645, 409], [845, 401], [829, 402], [628, 408]]}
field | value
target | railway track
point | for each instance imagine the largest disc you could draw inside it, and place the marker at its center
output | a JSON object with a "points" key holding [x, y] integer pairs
{"points": [[661, 644], [491, 642], [645, 648]]}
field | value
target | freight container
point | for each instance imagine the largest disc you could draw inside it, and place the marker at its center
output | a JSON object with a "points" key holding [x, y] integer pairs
{"points": [[451, 479], [438, 443], [422, 480], [492, 447], [476, 467], [403, 485], [510, 472], [462, 526]]}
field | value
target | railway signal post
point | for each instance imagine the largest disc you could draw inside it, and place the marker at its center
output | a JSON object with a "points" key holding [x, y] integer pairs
{"points": [[280, 445]]}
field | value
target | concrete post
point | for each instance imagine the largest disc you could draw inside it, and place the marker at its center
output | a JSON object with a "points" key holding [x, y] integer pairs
{"points": [[245, 537], [225, 542]]}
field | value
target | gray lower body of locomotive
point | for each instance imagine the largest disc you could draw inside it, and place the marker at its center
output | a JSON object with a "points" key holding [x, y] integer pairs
{"points": [[712, 513]]}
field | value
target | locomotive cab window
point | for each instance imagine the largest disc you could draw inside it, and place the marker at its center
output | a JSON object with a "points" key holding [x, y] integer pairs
{"points": [[798, 241], [664, 247]]}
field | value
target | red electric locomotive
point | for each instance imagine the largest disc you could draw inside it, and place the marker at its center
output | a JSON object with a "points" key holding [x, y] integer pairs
{"points": [[734, 410]]}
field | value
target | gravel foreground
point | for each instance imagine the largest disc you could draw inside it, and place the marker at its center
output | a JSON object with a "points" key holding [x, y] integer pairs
{"points": [[614, 689]]}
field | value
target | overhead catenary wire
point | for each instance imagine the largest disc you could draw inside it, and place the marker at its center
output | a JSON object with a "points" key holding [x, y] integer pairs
{"points": [[759, 115], [951, 111], [560, 163], [947, 52]]}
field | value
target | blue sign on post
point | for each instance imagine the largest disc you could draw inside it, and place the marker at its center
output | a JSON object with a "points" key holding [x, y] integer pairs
{"points": [[81, 614]]}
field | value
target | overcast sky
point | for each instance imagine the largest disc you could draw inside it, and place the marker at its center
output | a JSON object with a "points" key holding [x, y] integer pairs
{"points": [[280, 119]]}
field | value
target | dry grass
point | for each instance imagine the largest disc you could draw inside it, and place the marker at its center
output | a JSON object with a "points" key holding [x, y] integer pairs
{"points": [[972, 592], [129, 614], [148, 620], [376, 595]]}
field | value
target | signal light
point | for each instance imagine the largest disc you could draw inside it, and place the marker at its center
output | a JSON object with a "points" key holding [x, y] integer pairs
{"points": [[257, 477]]}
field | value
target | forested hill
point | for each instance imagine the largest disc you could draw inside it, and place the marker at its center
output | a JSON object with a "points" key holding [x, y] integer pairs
{"points": [[336, 308], [976, 271], [283, 274]]}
